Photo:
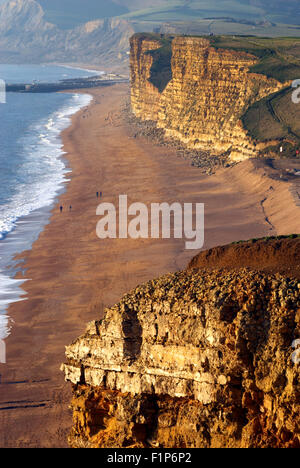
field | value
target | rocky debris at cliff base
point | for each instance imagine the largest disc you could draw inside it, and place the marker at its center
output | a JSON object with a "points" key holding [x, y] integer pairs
{"points": [[204, 160], [192, 359]]}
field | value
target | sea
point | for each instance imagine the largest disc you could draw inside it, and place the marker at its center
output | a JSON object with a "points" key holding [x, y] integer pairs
{"points": [[33, 171]]}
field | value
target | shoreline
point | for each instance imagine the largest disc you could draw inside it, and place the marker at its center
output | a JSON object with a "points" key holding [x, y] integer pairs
{"points": [[74, 276], [27, 228], [90, 70]]}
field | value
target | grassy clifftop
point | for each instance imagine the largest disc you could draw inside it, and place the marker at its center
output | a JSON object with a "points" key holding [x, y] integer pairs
{"points": [[276, 117], [279, 58]]}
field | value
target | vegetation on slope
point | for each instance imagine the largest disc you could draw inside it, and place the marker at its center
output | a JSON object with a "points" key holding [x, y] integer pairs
{"points": [[161, 70], [218, 16], [187, 10], [279, 58], [267, 239], [276, 117]]}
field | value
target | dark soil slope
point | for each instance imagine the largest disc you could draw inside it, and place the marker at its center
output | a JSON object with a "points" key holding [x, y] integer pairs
{"points": [[273, 255]]}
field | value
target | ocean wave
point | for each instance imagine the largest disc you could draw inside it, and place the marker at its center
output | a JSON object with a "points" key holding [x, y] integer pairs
{"points": [[87, 70], [10, 292], [42, 174]]}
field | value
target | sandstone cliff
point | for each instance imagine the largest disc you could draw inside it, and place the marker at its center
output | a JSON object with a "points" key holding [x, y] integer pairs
{"points": [[195, 359], [209, 91]]}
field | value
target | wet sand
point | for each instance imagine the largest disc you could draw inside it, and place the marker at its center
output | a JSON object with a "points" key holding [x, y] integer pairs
{"points": [[73, 274]]}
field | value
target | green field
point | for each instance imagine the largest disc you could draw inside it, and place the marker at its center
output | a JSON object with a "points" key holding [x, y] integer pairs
{"points": [[218, 16], [258, 17], [275, 118], [161, 71], [279, 58], [180, 10]]}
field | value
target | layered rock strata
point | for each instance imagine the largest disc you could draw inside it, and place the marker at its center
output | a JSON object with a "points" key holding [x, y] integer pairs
{"points": [[194, 359], [209, 92]]}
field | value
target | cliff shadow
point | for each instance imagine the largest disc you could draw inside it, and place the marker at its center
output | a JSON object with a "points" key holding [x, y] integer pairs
{"points": [[132, 331]]}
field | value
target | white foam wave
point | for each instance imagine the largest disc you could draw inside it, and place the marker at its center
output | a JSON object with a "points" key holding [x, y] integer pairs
{"points": [[10, 292], [88, 70], [43, 166]]}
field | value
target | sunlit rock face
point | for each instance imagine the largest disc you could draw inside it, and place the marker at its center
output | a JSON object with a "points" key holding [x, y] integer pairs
{"points": [[194, 359], [209, 92]]}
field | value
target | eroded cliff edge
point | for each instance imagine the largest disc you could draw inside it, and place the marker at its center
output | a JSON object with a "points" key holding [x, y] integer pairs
{"points": [[202, 101], [201, 358]]}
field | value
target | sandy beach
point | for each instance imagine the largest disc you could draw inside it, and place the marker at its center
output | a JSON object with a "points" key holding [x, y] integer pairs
{"points": [[74, 275]]}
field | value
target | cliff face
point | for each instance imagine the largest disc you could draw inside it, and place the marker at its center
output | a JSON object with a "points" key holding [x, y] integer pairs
{"points": [[145, 97], [195, 359], [209, 91]]}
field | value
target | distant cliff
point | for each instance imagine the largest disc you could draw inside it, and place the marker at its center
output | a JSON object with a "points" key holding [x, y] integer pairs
{"points": [[25, 36], [200, 358], [203, 99]]}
